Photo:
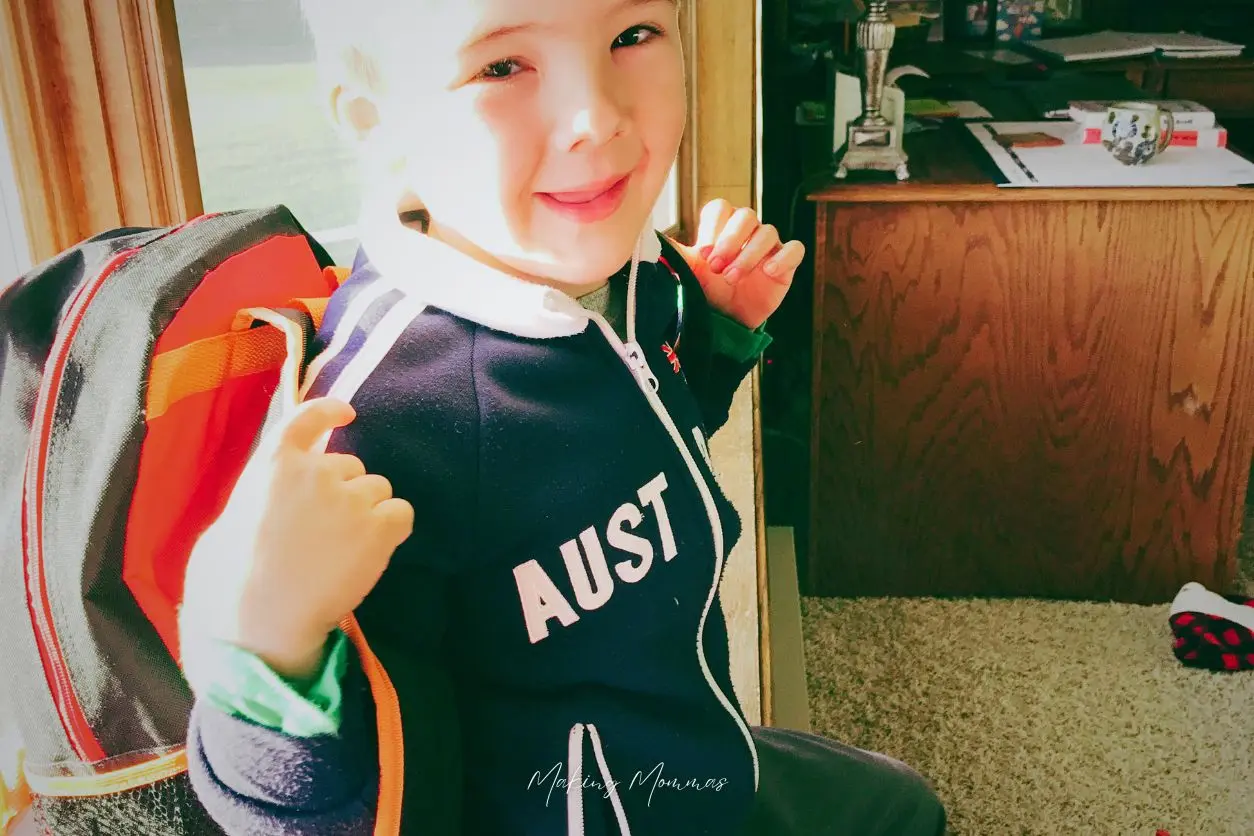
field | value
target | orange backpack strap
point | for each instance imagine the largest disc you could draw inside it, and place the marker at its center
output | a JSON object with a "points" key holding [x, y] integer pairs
{"points": [[391, 738], [317, 308]]}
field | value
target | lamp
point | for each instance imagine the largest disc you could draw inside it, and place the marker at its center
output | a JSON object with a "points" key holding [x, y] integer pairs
{"points": [[873, 141]]}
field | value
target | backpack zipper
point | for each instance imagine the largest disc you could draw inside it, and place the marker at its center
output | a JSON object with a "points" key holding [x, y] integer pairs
{"points": [[74, 722]]}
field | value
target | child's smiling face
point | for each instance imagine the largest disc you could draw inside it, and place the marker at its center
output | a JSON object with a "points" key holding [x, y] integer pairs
{"points": [[540, 132]]}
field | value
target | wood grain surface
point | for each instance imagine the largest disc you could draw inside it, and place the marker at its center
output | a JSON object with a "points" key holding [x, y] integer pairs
{"points": [[96, 109], [1045, 398]]}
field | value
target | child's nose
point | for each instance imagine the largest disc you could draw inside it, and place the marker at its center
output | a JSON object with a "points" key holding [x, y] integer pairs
{"points": [[590, 111]]}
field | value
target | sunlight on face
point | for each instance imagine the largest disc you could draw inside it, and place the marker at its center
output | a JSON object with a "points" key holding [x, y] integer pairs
{"points": [[539, 131]]}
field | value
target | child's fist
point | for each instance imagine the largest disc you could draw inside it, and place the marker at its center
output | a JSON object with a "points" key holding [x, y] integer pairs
{"points": [[742, 265], [303, 539]]}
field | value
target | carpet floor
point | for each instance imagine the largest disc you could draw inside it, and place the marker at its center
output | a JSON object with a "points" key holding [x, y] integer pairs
{"points": [[1038, 717]]}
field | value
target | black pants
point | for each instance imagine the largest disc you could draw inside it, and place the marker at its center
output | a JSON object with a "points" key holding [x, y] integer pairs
{"points": [[812, 786]]}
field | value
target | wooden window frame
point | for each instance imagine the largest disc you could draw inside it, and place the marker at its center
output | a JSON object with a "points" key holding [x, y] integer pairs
{"points": [[97, 118], [14, 246], [722, 151]]}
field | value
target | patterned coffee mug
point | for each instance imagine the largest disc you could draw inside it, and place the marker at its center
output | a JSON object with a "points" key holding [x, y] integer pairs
{"points": [[1136, 132]]}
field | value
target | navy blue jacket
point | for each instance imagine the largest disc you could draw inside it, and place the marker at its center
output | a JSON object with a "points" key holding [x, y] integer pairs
{"points": [[555, 616]]}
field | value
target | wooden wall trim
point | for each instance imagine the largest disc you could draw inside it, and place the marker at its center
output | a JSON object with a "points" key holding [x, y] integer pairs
{"points": [[97, 114], [766, 670], [724, 100], [689, 209], [724, 62]]}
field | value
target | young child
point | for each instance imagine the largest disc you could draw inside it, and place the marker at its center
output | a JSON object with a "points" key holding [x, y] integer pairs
{"points": [[501, 467]]}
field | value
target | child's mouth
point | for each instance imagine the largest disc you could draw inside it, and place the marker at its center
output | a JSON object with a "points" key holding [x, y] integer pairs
{"points": [[588, 205]]}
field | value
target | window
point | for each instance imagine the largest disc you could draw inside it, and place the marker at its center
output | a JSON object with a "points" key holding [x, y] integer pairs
{"points": [[258, 124], [14, 248]]}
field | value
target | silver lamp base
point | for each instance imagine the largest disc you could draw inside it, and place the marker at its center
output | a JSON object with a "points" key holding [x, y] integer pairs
{"points": [[873, 148]]}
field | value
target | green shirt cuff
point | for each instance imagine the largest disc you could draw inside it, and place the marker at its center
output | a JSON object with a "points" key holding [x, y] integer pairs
{"points": [[242, 685], [734, 340]]}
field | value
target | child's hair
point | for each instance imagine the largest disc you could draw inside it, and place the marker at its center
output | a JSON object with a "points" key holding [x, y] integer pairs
{"points": [[344, 39], [347, 36], [347, 39]]}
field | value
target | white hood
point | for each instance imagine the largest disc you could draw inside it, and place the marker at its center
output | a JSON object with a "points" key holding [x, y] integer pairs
{"points": [[459, 284]]}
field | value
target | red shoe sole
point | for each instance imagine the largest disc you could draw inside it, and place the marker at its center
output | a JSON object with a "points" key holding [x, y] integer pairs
{"points": [[1213, 632]]}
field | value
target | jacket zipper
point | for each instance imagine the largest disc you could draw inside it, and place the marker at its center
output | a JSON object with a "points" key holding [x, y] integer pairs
{"points": [[77, 729], [633, 356]]}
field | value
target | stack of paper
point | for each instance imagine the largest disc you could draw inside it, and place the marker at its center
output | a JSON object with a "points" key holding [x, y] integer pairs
{"points": [[1095, 47], [1183, 45], [1077, 165], [1186, 115], [1194, 123], [1103, 45]]}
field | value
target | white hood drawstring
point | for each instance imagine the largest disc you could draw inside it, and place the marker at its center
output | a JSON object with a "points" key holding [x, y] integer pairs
{"points": [[631, 284], [574, 786]]}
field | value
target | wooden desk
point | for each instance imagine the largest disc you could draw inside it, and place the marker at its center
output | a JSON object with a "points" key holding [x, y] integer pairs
{"points": [[1026, 391]]}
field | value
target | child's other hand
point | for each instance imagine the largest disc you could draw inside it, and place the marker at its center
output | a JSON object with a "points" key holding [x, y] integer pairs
{"points": [[743, 267], [303, 539]]}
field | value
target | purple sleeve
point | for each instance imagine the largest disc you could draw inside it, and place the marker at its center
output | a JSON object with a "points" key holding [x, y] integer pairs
{"points": [[252, 780]]}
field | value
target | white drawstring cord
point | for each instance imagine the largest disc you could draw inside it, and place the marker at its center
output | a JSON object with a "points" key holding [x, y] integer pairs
{"points": [[574, 781], [610, 787], [631, 286], [574, 784], [632, 352]]}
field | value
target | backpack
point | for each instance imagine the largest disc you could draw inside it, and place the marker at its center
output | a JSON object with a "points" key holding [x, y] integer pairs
{"points": [[137, 371]]}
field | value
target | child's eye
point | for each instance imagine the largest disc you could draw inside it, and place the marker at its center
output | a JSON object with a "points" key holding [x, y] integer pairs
{"points": [[499, 70], [637, 36]]}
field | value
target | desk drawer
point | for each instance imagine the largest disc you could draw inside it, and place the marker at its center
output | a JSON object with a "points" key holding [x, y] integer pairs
{"points": [[1227, 92]]}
